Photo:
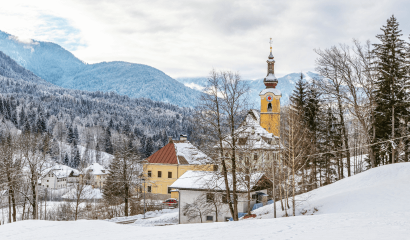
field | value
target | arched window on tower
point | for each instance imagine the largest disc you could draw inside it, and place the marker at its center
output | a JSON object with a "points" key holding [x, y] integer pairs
{"points": [[269, 107]]}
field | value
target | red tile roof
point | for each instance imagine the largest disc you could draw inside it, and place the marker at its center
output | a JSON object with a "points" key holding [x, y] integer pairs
{"points": [[166, 155]]}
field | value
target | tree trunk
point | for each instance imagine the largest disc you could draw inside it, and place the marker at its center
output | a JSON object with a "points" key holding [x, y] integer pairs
{"points": [[34, 202], [344, 131], [274, 184], [392, 133]]}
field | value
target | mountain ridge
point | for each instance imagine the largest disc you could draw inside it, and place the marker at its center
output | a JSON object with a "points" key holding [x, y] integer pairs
{"points": [[58, 66]]}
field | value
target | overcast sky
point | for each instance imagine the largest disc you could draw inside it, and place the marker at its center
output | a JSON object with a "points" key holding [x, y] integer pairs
{"points": [[188, 38]]}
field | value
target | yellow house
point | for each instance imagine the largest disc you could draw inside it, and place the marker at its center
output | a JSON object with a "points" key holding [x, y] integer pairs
{"points": [[166, 165]]}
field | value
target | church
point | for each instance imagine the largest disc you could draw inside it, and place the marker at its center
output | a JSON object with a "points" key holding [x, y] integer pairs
{"points": [[258, 135], [257, 144]]}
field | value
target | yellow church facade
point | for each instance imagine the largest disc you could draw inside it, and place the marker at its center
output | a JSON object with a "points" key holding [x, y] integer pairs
{"points": [[270, 100]]}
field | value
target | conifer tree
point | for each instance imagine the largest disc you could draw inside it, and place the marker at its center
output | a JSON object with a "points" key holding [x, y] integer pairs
{"points": [[66, 161], [70, 135], [393, 81], [123, 175], [108, 144], [76, 158], [149, 147]]}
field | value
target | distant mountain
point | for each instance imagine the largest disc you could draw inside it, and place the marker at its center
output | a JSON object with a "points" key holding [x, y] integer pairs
{"points": [[58, 66], [10, 69], [29, 103], [286, 85]]}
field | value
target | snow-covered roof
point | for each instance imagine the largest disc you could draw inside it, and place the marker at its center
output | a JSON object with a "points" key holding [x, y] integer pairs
{"points": [[251, 135], [190, 153], [207, 180], [179, 152], [270, 78], [275, 91], [61, 171], [95, 169]]}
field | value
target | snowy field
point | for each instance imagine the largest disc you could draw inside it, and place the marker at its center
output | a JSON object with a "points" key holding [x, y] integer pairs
{"points": [[350, 226], [154, 218], [370, 205]]}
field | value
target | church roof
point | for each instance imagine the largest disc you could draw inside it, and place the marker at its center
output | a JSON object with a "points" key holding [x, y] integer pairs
{"points": [[251, 135], [180, 152], [275, 91]]}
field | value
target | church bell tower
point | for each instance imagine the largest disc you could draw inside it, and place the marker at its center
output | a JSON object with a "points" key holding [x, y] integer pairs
{"points": [[270, 99]]}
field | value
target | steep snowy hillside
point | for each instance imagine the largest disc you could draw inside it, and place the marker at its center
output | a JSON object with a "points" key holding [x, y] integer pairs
{"points": [[379, 190], [286, 85], [56, 65], [10, 69]]}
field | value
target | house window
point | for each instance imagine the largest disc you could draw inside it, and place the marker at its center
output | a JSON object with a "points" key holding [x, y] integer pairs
{"points": [[169, 190], [215, 168], [169, 174], [149, 173], [254, 196], [47, 180], [47, 185], [148, 188], [159, 174], [210, 197], [210, 218], [255, 156]]}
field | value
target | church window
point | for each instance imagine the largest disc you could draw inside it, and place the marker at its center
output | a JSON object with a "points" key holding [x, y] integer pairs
{"points": [[269, 107], [255, 156]]}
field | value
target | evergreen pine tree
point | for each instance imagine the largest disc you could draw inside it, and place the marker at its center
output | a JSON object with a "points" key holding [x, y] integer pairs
{"points": [[97, 154], [149, 147], [76, 158], [66, 160], [70, 135], [391, 98], [108, 143], [121, 178], [76, 135], [22, 118]]}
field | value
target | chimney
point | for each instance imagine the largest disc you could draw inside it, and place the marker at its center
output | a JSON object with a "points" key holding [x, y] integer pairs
{"points": [[183, 138], [170, 139]]}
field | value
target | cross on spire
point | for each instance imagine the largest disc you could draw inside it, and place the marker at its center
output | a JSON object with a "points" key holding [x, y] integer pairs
{"points": [[270, 43]]}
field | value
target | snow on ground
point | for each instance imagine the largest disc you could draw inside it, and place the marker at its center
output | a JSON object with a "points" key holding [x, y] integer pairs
{"points": [[380, 190], [364, 226], [105, 158], [370, 205], [154, 218], [88, 192]]}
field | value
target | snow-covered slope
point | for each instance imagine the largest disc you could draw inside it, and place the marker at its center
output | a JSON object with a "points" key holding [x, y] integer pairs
{"points": [[56, 65], [379, 190], [371, 205], [353, 226], [286, 85]]}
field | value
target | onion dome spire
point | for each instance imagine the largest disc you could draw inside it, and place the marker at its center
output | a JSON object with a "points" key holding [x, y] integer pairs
{"points": [[270, 80]]}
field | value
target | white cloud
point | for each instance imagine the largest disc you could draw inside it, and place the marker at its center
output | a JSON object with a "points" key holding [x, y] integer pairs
{"points": [[188, 38], [26, 41], [194, 86]]}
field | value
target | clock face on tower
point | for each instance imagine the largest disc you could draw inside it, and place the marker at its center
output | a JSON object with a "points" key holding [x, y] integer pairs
{"points": [[269, 98]]}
